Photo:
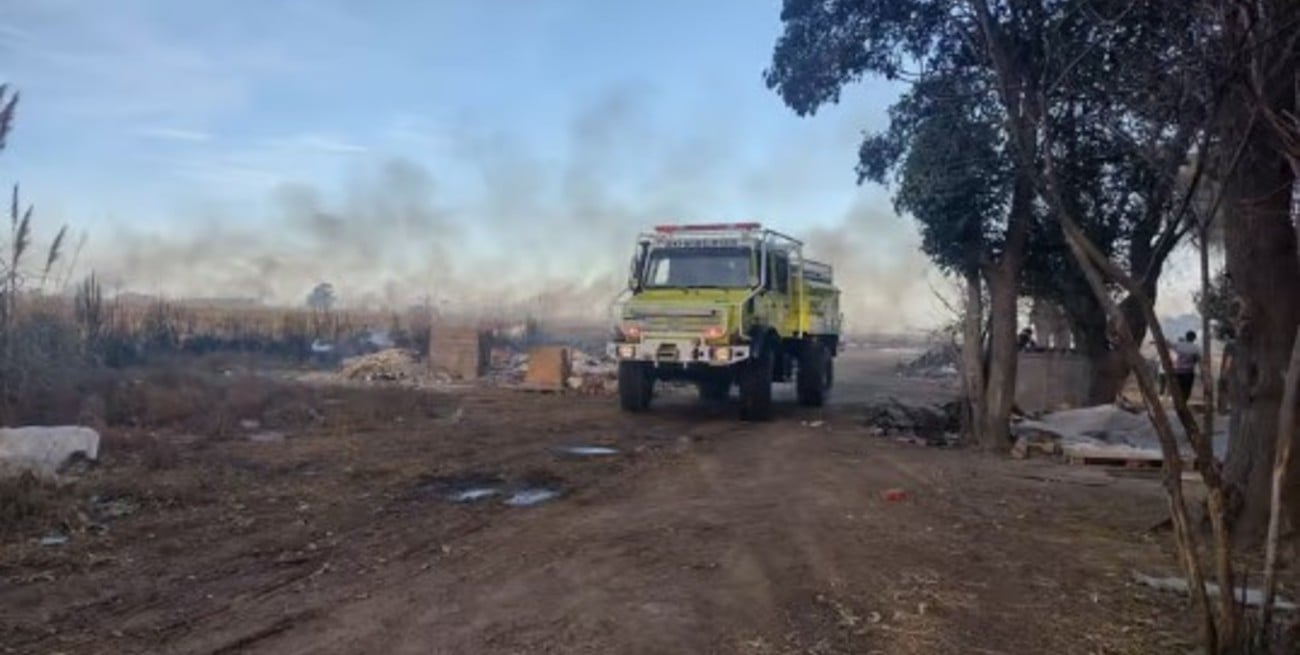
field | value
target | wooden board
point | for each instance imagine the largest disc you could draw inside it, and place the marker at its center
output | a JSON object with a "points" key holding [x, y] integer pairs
{"points": [[1124, 462]]}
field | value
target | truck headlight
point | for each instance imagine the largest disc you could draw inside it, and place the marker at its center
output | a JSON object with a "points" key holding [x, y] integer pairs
{"points": [[631, 331], [626, 351], [722, 354]]}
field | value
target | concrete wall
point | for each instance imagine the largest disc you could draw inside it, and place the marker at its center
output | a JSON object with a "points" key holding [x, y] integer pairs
{"points": [[1050, 379]]}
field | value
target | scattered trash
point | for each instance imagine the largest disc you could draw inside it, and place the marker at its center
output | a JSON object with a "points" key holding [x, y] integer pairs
{"points": [[1252, 597], [531, 497], [54, 539], [813, 424], [250, 424], [114, 507], [894, 495], [44, 451]]}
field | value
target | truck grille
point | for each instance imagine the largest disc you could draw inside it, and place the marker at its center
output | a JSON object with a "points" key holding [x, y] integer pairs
{"points": [[673, 324]]}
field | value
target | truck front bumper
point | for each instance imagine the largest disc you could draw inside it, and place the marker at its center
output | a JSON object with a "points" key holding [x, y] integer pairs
{"points": [[678, 351]]}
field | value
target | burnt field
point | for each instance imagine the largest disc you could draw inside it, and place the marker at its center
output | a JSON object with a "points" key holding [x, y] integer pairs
{"points": [[247, 513]]}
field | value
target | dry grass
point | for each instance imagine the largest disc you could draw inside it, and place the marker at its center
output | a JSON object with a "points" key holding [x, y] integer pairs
{"points": [[56, 349]]}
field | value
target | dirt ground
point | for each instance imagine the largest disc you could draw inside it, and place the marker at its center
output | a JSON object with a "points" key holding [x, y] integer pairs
{"points": [[700, 535]]}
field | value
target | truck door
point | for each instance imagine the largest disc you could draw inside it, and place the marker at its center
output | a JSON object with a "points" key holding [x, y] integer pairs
{"points": [[778, 295]]}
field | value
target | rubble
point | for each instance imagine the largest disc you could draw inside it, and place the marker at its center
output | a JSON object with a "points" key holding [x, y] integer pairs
{"points": [[595, 375], [940, 361], [44, 451], [555, 368], [1100, 431], [937, 425]]}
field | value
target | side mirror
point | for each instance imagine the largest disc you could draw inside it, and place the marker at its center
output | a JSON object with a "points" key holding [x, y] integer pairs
{"points": [[634, 271]]}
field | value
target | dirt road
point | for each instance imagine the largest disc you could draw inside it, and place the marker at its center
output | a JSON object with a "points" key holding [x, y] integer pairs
{"points": [[700, 535]]}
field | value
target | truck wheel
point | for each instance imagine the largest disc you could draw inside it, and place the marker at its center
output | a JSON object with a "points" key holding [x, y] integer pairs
{"points": [[815, 374], [756, 388], [715, 388], [635, 386]]}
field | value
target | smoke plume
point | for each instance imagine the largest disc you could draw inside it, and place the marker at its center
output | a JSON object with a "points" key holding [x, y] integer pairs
{"points": [[542, 230]]}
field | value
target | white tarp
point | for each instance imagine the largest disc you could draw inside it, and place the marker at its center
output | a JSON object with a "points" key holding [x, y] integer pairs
{"points": [[44, 450]]}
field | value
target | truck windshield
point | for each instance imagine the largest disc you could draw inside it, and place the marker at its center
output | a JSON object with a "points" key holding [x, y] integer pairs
{"points": [[726, 268]]}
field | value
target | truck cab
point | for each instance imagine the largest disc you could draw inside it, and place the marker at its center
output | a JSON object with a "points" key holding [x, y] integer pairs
{"points": [[724, 305]]}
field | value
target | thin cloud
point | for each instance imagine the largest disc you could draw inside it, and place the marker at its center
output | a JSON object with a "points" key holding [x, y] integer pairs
{"points": [[321, 143], [414, 132], [175, 134]]}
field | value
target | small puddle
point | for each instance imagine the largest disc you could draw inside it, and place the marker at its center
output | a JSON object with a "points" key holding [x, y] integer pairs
{"points": [[586, 451], [528, 490], [472, 495], [531, 497], [464, 488]]}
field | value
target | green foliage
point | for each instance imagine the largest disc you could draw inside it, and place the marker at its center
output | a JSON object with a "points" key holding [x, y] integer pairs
{"points": [[950, 165], [828, 44], [1111, 74], [945, 146]]}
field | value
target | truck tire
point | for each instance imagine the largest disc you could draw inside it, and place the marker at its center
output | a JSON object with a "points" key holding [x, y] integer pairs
{"points": [[756, 388], [635, 386], [815, 374], [715, 388]]}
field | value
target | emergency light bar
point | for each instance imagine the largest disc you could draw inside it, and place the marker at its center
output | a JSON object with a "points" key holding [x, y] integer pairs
{"points": [[709, 227]]}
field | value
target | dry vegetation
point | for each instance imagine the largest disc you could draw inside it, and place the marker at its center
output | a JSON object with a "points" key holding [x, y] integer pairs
{"points": [[62, 354]]}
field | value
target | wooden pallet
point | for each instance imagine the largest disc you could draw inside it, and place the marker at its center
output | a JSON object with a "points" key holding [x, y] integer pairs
{"points": [[1091, 457], [1120, 462]]}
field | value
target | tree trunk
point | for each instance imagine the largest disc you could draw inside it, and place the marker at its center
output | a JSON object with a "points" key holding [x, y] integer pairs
{"points": [[1092, 339], [1001, 390], [1262, 261], [972, 360], [1004, 285]]}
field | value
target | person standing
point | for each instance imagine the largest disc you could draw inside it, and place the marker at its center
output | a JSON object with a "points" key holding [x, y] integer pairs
{"points": [[1187, 355], [1025, 340]]}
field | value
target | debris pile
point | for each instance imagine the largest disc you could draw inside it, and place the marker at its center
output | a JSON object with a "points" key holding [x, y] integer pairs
{"points": [[561, 368], [391, 365], [503, 362], [506, 366], [939, 361], [589, 374], [935, 425]]}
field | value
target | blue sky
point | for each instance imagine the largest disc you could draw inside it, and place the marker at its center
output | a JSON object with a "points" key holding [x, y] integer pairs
{"points": [[197, 143], [252, 94]]}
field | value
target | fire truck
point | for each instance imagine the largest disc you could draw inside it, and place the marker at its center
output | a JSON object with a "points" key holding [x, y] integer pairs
{"points": [[722, 306]]}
